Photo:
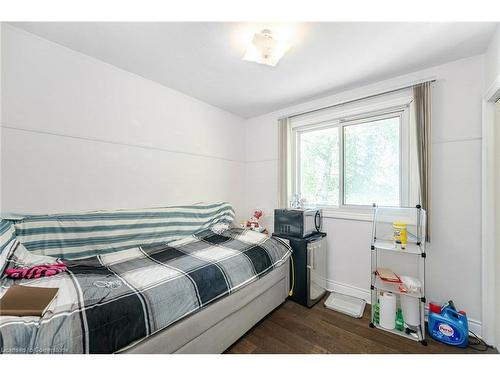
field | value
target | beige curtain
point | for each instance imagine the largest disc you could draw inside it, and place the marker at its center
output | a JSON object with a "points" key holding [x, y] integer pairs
{"points": [[422, 94], [283, 174]]}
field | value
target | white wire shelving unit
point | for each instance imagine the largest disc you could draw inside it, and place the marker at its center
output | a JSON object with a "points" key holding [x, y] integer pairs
{"points": [[383, 242]]}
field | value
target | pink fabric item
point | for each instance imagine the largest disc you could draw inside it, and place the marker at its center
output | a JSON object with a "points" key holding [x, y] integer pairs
{"points": [[36, 271]]}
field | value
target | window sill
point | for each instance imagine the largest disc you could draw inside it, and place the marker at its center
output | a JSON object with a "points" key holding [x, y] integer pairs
{"points": [[348, 214]]}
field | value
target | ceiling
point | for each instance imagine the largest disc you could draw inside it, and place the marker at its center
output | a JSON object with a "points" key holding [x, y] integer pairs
{"points": [[204, 59]]}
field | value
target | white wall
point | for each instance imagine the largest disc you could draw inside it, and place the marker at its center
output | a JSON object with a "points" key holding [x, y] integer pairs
{"points": [[491, 189], [1, 27], [453, 263], [497, 222], [80, 134], [492, 60]]}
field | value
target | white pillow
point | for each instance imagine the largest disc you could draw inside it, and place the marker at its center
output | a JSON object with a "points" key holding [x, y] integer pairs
{"points": [[219, 228]]}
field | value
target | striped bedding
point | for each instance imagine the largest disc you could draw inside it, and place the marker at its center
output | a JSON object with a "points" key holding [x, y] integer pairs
{"points": [[76, 236], [111, 301], [7, 235]]}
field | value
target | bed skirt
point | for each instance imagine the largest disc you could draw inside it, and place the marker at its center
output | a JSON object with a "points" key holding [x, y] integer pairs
{"points": [[217, 326]]}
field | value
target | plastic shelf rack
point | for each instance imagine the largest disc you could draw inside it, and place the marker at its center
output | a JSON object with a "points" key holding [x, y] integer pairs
{"points": [[410, 259]]}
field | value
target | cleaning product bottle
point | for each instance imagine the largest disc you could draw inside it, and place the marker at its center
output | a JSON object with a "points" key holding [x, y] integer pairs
{"points": [[448, 325], [400, 323], [376, 313]]}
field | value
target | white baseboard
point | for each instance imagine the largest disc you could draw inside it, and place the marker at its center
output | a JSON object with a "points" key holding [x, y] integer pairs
{"points": [[354, 291], [476, 326]]}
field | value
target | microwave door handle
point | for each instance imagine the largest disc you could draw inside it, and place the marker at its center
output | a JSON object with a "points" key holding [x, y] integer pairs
{"points": [[317, 222]]}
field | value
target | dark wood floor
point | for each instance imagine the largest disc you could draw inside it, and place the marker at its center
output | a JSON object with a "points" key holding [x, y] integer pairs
{"points": [[293, 328]]}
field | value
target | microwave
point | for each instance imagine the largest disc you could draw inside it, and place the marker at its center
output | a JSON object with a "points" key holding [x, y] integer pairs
{"points": [[297, 223]]}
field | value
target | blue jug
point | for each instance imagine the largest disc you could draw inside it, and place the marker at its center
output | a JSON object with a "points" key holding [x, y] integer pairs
{"points": [[449, 326]]}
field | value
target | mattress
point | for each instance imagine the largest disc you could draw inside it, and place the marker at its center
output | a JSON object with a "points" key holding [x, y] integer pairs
{"points": [[107, 302]]}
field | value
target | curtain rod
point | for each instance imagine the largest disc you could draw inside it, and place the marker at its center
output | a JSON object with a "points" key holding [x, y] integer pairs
{"points": [[358, 99]]}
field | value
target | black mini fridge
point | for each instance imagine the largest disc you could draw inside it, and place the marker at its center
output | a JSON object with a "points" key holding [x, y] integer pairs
{"points": [[309, 268]]}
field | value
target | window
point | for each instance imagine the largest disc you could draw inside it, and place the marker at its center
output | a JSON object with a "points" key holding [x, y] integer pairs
{"points": [[372, 162], [352, 158], [319, 166]]}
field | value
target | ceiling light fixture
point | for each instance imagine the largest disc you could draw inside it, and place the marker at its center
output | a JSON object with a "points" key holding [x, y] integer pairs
{"points": [[264, 49]]}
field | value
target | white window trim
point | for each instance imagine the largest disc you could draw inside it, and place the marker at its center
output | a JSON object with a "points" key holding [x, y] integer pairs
{"points": [[343, 115]]}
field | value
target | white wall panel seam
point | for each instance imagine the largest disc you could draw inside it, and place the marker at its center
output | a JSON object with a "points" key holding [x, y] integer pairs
{"points": [[89, 139]]}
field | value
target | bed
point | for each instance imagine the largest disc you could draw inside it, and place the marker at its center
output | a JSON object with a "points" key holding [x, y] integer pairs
{"points": [[196, 294]]}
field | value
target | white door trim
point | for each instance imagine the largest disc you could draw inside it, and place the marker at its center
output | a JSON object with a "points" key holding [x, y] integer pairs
{"points": [[488, 225]]}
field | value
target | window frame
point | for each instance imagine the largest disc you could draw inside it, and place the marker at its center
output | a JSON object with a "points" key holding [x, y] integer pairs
{"points": [[397, 105]]}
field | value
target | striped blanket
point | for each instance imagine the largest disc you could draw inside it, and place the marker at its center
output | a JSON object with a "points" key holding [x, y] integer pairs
{"points": [[111, 301], [7, 235], [75, 236]]}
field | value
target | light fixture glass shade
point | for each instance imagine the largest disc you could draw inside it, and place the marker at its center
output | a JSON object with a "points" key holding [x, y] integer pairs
{"points": [[264, 49]]}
